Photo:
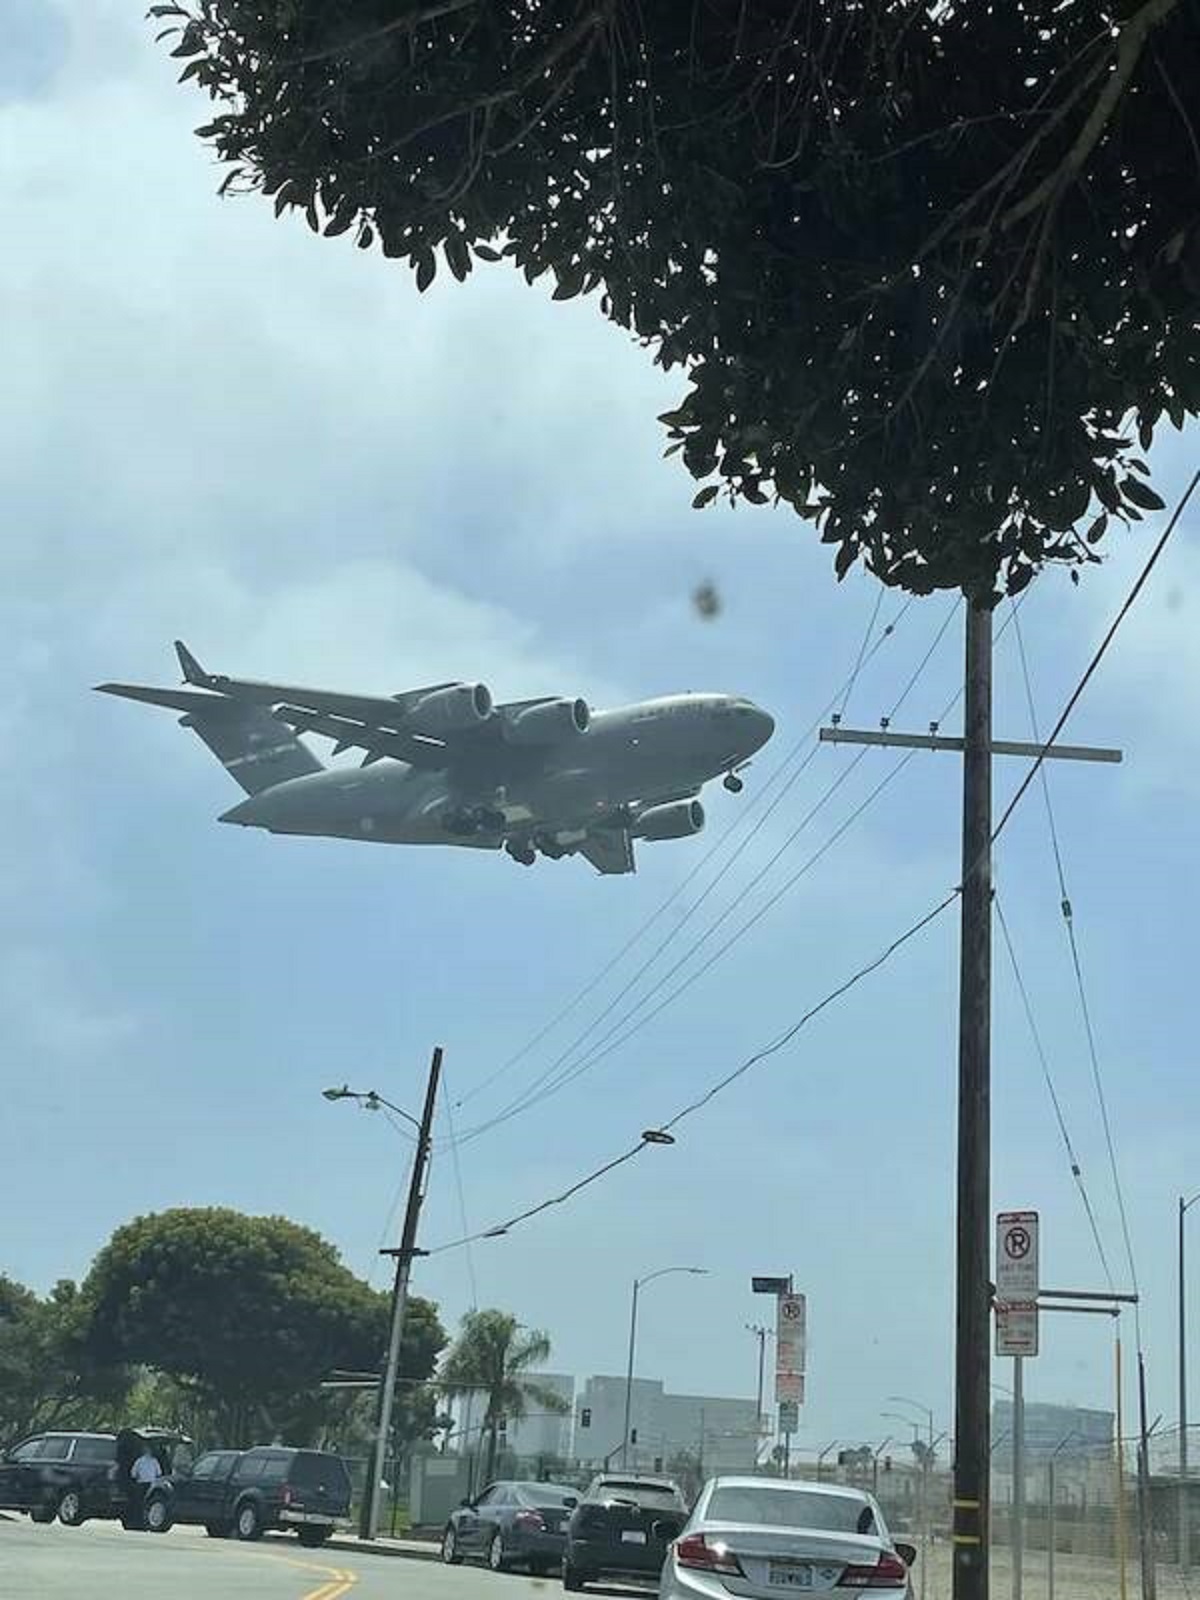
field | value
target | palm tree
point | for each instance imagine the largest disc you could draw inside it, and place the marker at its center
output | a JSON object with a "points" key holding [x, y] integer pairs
{"points": [[495, 1354]]}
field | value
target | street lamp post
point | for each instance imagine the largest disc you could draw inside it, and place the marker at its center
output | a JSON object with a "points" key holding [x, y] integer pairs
{"points": [[762, 1335], [1185, 1539], [926, 1465], [638, 1285], [404, 1259]]}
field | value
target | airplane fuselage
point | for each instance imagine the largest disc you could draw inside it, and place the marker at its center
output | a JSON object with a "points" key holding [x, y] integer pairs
{"points": [[652, 752]]}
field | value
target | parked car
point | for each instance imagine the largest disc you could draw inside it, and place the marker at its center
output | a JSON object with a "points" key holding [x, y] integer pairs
{"points": [[78, 1475], [512, 1524], [763, 1537], [621, 1529], [245, 1492]]}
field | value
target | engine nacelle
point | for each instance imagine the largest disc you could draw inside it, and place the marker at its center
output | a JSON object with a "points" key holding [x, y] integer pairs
{"points": [[548, 723], [677, 821], [463, 705]]}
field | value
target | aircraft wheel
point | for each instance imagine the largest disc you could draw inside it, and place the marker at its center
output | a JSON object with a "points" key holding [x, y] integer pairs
{"points": [[733, 783]]}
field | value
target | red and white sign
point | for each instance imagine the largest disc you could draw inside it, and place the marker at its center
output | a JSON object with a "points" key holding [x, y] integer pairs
{"points": [[789, 1388], [791, 1348], [1016, 1257]]}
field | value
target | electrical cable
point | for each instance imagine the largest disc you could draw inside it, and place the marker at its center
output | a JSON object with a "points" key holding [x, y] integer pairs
{"points": [[1040, 1051], [534, 1092], [1081, 990], [448, 1112], [862, 650], [785, 1038], [718, 844]]}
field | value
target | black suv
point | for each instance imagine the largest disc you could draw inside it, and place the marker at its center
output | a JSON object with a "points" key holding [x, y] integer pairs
{"points": [[75, 1476], [245, 1492], [621, 1529]]}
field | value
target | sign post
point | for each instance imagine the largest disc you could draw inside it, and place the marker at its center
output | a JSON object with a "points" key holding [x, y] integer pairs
{"points": [[791, 1348], [1017, 1288]]}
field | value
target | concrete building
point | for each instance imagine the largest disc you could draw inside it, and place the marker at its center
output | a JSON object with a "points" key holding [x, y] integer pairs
{"points": [[716, 1430], [1082, 1433]]}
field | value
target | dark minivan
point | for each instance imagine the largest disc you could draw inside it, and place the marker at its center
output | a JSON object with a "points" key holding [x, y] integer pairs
{"points": [[621, 1529], [243, 1493]]}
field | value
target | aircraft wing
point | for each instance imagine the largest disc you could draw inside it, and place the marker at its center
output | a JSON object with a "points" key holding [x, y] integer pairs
{"points": [[610, 850], [369, 734]]}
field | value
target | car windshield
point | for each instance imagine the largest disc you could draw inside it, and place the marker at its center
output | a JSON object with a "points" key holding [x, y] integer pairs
{"points": [[769, 1506]]}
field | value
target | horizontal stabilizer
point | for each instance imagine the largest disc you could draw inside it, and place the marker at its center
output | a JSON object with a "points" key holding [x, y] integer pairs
{"points": [[255, 748]]}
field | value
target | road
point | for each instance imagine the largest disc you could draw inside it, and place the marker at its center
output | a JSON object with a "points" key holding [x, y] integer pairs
{"points": [[102, 1562]]}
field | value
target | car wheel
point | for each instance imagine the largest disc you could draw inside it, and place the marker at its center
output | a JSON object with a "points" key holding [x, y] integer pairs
{"points": [[451, 1554], [247, 1524], [158, 1514], [216, 1530], [572, 1578], [313, 1538], [43, 1513], [70, 1508], [495, 1553]]}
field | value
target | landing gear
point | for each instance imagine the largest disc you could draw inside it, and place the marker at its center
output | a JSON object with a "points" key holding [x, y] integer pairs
{"points": [[733, 783], [524, 854]]}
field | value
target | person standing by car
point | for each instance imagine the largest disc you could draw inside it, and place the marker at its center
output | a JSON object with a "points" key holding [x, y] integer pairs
{"points": [[145, 1471]]}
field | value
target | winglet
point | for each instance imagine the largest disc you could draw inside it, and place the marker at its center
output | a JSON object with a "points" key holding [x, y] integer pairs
{"points": [[193, 672]]}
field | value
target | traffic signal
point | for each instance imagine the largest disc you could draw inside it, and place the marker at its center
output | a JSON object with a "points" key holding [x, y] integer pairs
{"points": [[633, 1435], [585, 1417]]}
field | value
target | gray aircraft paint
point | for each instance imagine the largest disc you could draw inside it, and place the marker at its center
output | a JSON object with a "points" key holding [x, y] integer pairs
{"points": [[584, 792]]}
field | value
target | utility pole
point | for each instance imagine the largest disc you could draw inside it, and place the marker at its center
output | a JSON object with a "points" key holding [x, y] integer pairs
{"points": [[369, 1522], [1145, 1522], [973, 1244], [761, 1334], [1185, 1531]]}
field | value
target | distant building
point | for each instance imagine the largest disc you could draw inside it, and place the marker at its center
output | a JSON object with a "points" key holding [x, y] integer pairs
{"points": [[1076, 1433], [718, 1431]]}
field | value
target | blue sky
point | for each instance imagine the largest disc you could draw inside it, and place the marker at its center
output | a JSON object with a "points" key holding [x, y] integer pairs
{"points": [[215, 426]]}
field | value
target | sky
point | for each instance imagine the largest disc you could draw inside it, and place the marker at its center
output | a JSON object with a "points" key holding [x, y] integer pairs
{"points": [[215, 426]]}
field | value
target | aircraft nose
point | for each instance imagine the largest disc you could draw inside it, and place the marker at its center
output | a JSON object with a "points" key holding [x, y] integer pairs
{"points": [[762, 724]]}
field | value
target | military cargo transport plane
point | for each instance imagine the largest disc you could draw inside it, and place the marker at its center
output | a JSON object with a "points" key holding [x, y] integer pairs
{"points": [[446, 765]]}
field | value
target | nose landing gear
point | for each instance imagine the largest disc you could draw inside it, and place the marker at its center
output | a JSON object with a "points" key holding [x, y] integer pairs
{"points": [[524, 854]]}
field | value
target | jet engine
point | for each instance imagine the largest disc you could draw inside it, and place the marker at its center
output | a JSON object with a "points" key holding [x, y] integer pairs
{"points": [[548, 722], [677, 821], [447, 710]]}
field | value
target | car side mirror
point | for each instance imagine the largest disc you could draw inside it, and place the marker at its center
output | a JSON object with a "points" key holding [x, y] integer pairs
{"points": [[570, 1502], [906, 1552], [466, 1505]]}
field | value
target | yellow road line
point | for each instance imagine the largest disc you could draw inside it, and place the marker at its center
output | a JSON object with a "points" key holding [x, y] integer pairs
{"points": [[335, 1590]]}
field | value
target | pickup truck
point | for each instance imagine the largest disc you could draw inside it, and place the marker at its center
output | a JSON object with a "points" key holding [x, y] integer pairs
{"points": [[243, 1493]]}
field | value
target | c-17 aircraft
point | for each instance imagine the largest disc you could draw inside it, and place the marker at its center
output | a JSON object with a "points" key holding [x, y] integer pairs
{"points": [[447, 765]]}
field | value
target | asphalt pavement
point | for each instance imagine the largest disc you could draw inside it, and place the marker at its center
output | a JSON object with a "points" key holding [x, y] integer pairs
{"points": [[100, 1561]]}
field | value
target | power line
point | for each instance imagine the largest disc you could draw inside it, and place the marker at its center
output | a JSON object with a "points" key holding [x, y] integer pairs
{"points": [[718, 844], [566, 1072], [1040, 1050], [448, 1112], [1081, 988], [862, 650], [873, 966]]}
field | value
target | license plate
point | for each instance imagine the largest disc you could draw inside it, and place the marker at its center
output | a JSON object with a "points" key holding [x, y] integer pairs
{"points": [[782, 1575], [632, 1536]]}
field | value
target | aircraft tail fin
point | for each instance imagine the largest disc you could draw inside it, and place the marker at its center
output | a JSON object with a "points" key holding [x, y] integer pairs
{"points": [[255, 748], [193, 672]]}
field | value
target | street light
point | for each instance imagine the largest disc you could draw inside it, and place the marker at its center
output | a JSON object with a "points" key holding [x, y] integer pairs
{"points": [[1185, 1553], [371, 1100], [663, 1272], [762, 1335], [926, 1465]]}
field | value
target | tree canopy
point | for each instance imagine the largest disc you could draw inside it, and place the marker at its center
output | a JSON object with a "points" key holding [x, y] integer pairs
{"points": [[48, 1377], [495, 1354], [249, 1312], [928, 269]]}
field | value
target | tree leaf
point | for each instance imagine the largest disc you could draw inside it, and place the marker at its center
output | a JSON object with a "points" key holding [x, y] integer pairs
{"points": [[366, 237], [457, 255], [1142, 494], [426, 269], [1098, 529], [486, 253], [706, 496]]}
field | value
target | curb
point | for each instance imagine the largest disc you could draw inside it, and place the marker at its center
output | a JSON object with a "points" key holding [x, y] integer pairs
{"points": [[411, 1551]]}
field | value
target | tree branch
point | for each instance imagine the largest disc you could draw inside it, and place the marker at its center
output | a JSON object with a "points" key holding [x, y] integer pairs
{"points": [[443, 8], [1130, 44]]}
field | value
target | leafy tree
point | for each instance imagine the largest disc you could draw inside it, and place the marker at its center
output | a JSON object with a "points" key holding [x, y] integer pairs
{"points": [[48, 1378], [925, 266], [493, 1353], [247, 1314]]}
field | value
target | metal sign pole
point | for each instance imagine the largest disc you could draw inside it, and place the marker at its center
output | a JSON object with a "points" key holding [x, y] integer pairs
{"points": [[1018, 1495]]}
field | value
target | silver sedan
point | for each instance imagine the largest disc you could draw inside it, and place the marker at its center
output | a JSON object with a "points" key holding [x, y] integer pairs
{"points": [[763, 1538]]}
